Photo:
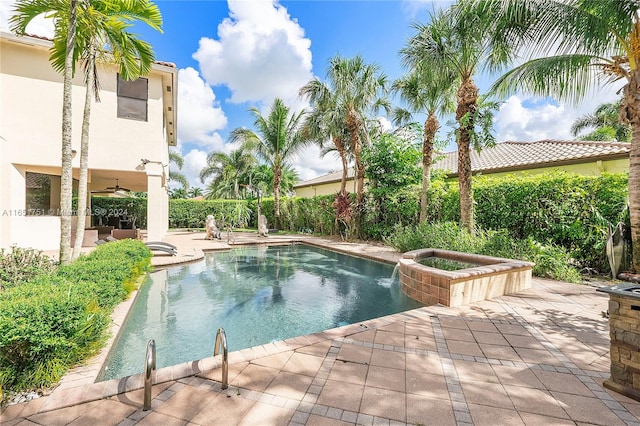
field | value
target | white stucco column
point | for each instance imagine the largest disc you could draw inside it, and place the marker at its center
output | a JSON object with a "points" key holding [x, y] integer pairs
{"points": [[157, 203]]}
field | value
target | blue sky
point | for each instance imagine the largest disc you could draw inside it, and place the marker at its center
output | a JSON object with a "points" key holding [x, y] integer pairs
{"points": [[237, 54]]}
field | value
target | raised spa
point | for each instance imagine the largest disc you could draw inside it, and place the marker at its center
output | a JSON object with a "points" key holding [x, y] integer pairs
{"points": [[485, 277]]}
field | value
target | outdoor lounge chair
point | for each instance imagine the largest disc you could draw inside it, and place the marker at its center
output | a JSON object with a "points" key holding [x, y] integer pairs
{"points": [[163, 247], [162, 243]]}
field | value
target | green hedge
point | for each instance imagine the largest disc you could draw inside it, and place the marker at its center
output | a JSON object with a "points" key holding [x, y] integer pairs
{"points": [[568, 210], [59, 318], [558, 209], [193, 213]]}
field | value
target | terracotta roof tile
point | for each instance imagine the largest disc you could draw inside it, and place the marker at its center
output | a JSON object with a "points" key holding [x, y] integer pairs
{"points": [[509, 155], [519, 155], [329, 177]]}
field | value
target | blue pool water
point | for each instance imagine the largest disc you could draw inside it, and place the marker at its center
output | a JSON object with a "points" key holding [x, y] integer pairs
{"points": [[257, 294]]}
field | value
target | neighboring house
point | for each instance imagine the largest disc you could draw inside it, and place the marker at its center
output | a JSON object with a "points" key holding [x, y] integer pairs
{"points": [[134, 121], [582, 157]]}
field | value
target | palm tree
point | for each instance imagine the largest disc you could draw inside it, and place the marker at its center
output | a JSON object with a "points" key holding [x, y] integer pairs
{"points": [[226, 169], [65, 19], [360, 89], [606, 119], [327, 123], [459, 40], [278, 139], [262, 178], [103, 24], [592, 43], [430, 90], [178, 194], [194, 192], [91, 27], [176, 158]]}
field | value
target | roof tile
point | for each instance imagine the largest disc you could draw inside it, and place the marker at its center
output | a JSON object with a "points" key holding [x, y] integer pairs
{"points": [[514, 155]]}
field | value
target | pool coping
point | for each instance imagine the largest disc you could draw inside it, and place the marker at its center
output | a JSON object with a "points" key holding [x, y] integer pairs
{"points": [[78, 385], [70, 396]]}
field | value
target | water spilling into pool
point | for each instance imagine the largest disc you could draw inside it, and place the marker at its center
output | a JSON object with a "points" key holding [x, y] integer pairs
{"points": [[258, 295]]}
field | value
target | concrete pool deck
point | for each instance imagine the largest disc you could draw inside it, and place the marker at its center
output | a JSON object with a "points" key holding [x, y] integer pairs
{"points": [[538, 357]]}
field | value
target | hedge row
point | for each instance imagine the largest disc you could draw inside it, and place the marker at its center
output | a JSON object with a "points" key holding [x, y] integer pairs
{"points": [[56, 319], [562, 209]]}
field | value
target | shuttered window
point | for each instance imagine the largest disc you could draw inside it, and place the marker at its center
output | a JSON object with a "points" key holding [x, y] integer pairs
{"points": [[132, 98]]}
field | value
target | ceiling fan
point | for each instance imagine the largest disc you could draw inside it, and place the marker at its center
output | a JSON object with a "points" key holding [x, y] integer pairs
{"points": [[118, 187], [113, 189]]}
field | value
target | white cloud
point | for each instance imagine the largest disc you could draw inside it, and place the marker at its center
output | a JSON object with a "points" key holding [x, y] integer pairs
{"points": [[309, 164], [261, 53], [529, 119], [514, 122], [199, 115], [194, 161], [38, 26]]}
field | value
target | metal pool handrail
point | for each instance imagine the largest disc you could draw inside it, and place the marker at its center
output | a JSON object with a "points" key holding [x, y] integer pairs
{"points": [[149, 367], [221, 339]]}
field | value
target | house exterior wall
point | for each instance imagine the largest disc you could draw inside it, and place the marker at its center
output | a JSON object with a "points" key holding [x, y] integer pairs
{"points": [[324, 189], [588, 168], [31, 128]]}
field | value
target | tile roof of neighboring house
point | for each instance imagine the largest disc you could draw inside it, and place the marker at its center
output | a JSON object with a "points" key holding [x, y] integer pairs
{"points": [[506, 156], [328, 178]]}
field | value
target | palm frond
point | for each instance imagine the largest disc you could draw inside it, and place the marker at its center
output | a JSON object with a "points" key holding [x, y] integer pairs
{"points": [[565, 77]]}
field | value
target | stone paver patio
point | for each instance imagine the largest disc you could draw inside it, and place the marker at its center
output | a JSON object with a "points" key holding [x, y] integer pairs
{"points": [[535, 358]]}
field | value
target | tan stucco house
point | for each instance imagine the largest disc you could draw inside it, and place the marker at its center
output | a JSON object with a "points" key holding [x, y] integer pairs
{"points": [[582, 157], [134, 121]]}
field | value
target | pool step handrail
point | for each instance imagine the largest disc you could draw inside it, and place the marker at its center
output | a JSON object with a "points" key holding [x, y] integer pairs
{"points": [[149, 368], [221, 340]]}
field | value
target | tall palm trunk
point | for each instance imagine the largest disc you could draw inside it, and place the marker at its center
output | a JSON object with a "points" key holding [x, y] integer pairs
{"points": [[631, 112], [277, 180], [467, 103], [431, 127], [354, 128], [236, 188], [339, 144], [66, 179], [84, 153]]}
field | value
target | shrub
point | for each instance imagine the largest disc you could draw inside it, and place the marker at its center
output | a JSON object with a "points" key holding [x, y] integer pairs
{"points": [[57, 318], [19, 265], [193, 213], [550, 261]]}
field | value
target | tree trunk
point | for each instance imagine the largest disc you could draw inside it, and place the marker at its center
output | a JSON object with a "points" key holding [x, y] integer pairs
{"points": [[66, 178], [467, 103], [339, 144], [277, 179], [634, 197], [236, 188], [431, 126], [354, 133], [631, 112], [84, 154]]}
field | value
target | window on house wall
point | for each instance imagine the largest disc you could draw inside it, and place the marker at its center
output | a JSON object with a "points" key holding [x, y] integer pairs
{"points": [[38, 194], [43, 194], [132, 98]]}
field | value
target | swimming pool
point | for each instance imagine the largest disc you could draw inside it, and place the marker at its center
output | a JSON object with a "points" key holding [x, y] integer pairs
{"points": [[257, 294]]}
